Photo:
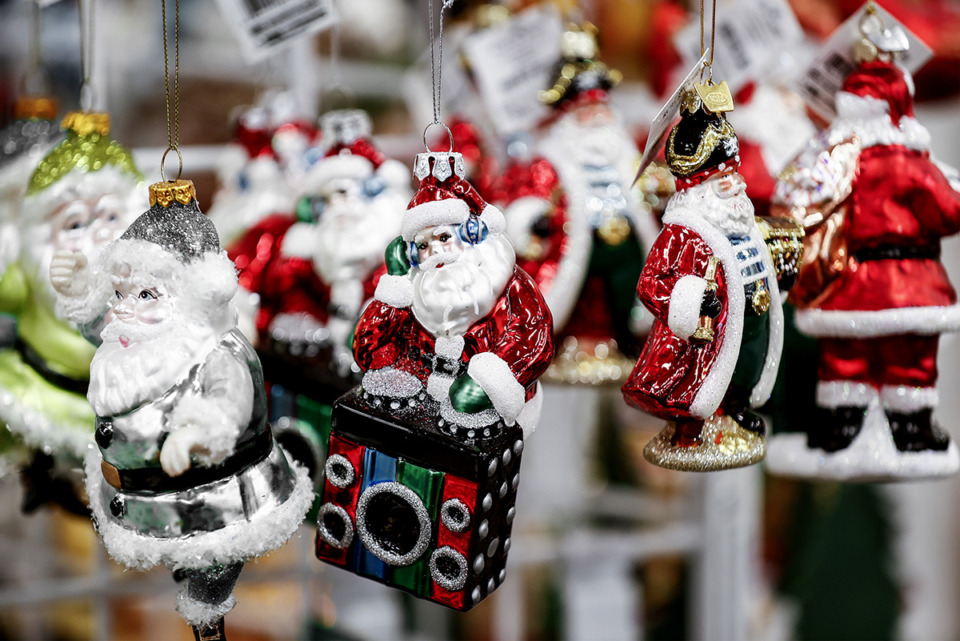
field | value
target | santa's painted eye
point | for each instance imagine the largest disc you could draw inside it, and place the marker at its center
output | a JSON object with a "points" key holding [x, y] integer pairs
{"points": [[421, 246], [119, 295], [444, 238], [146, 294], [76, 224]]}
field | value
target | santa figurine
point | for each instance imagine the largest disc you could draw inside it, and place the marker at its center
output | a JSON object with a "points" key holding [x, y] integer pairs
{"points": [[261, 170], [313, 272], [451, 347], [874, 294], [81, 196], [712, 285], [579, 228], [187, 473]]}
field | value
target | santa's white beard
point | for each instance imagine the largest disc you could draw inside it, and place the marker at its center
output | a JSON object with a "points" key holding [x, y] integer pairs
{"points": [[734, 216], [449, 300], [599, 144], [350, 242], [157, 358]]}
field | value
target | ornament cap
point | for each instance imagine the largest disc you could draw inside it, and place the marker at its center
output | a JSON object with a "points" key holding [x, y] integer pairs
{"points": [[345, 126], [35, 108], [441, 164], [167, 192], [84, 123]]}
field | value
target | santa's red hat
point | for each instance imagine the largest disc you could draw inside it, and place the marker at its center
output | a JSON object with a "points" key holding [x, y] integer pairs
{"points": [[883, 80], [446, 198]]}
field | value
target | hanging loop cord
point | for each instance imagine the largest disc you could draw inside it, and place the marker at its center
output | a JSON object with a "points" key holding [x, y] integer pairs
{"points": [[708, 65], [436, 70], [173, 124], [87, 13]]}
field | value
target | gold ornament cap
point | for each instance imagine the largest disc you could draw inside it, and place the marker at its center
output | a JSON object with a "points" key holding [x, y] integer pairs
{"points": [[35, 108], [170, 191], [85, 123]]}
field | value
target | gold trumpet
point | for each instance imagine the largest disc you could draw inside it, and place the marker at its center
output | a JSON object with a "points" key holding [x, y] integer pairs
{"points": [[704, 331]]}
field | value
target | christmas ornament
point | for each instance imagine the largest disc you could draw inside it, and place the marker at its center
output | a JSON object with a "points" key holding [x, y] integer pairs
{"points": [[579, 228], [81, 196], [713, 286], [23, 143], [874, 293], [314, 272], [261, 170], [187, 474], [424, 455], [452, 347]]}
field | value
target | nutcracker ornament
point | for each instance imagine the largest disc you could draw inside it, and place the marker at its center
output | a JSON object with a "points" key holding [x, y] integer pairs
{"points": [[713, 286], [579, 228], [313, 273], [874, 292], [81, 196], [187, 473]]}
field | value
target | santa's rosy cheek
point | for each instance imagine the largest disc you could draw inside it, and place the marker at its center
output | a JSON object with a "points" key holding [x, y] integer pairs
{"points": [[151, 312]]}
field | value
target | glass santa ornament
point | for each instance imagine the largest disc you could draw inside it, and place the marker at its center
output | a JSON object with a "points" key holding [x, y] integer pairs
{"points": [[423, 464], [712, 285], [579, 227], [187, 473], [873, 292], [81, 195], [313, 272]]}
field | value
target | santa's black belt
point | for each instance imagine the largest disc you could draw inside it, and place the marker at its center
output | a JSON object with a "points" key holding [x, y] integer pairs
{"points": [[155, 480], [891, 252], [39, 364]]}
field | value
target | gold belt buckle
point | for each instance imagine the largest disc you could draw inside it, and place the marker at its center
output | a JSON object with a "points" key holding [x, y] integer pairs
{"points": [[111, 475], [760, 299]]}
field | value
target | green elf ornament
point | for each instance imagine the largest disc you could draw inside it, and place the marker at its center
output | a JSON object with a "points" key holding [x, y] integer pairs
{"points": [[82, 195]]}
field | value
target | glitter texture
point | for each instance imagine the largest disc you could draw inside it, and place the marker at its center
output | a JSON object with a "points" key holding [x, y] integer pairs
{"points": [[178, 228], [370, 540], [87, 152], [725, 446]]}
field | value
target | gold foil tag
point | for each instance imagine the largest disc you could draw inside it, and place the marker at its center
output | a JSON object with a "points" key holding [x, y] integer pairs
{"points": [[716, 98], [165, 193]]}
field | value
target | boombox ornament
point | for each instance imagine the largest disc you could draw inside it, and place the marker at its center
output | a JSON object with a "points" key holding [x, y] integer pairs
{"points": [[424, 455]]}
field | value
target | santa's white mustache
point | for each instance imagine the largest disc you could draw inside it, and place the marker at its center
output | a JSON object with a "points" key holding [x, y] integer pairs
{"points": [[445, 258]]}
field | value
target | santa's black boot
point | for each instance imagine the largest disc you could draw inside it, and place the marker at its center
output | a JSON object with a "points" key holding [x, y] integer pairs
{"points": [[736, 406], [916, 431], [836, 427]]}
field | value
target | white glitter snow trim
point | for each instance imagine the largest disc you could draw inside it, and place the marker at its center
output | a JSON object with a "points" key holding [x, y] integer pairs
{"points": [[906, 399], [494, 220], [834, 394], [38, 431], [390, 382], [869, 119], [300, 241], [499, 383], [200, 614], [449, 347], [235, 542], [871, 457], [438, 387], [450, 211], [395, 291], [885, 322], [683, 314], [529, 418]]}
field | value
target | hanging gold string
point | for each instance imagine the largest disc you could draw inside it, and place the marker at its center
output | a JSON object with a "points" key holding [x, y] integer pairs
{"points": [[713, 31], [173, 124], [87, 14]]}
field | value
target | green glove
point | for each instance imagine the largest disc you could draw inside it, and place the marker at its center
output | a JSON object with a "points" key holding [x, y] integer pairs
{"points": [[398, 264], [468, 397]]}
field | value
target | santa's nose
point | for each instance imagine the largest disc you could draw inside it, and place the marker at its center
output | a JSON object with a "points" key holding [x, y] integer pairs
{"points": [[124, 309]]}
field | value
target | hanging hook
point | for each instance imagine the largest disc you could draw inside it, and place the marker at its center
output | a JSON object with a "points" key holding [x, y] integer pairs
{"points": [[164, 159], [449, 135]]}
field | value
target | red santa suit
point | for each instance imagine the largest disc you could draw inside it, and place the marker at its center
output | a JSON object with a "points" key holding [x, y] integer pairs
{"points": [[675, 377], [879, 321], [505, 351]]}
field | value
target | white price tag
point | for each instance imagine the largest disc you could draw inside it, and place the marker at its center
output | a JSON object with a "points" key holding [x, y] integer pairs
{"points": [[824, 77], [667, 116], [748, 31], [512, 62], [261, 26]]}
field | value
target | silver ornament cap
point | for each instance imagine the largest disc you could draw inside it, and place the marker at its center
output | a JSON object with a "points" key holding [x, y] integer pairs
{"points": [[444, 165]]}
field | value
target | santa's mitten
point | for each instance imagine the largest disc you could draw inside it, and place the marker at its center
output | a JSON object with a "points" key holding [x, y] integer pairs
{"points": [[468, 397], [397, 258]]}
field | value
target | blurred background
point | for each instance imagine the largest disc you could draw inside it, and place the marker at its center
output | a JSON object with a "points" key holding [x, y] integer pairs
{"points": [[606, 545]]}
